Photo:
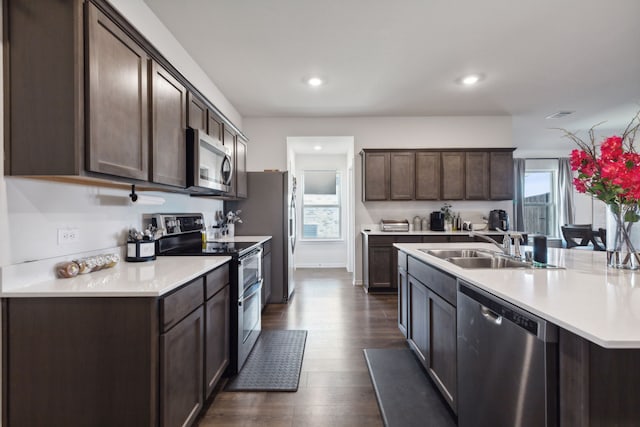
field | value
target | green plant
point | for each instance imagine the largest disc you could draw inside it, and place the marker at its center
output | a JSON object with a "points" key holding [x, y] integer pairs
{"points": [[446, 210]]}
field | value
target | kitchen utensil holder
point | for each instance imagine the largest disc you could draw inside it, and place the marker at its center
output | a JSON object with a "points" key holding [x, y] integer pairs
{"points": [[140, 251]]}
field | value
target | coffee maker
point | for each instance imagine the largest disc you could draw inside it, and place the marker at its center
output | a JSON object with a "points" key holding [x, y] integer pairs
{"points": [[498, 219], [437, 221]]}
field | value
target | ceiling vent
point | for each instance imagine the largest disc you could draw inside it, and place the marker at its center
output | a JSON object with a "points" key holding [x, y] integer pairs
{"points": [[559, 114]]}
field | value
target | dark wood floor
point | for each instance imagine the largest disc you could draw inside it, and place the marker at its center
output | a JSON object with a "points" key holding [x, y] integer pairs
{"points": [[335, 389]]}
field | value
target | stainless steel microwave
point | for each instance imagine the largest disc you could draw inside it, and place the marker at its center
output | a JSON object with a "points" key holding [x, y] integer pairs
{"points": [[209, 163]]}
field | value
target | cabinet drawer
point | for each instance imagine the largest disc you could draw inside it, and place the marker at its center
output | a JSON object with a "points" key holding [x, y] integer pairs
{"points": [[216, 280], [402, 260], [382, 240], [439, 282], [176, 306]]}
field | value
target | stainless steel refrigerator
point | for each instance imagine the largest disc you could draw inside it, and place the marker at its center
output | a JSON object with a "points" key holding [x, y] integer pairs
{"points": [[270, 210]]}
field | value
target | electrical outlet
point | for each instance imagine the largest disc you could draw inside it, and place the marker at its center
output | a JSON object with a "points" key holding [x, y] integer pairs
{"points": [[68, 235]]}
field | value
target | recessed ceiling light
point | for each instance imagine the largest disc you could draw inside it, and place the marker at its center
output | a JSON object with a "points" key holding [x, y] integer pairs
{"points": [[470, 79], [315, 81], [317, 147]]}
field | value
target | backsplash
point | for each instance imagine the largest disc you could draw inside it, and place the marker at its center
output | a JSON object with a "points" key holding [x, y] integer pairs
{"points": [[469, 210], [37, 209]]}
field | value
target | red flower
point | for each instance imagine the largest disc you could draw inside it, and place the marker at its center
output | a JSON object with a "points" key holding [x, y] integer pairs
{"points": [[610, 171]]}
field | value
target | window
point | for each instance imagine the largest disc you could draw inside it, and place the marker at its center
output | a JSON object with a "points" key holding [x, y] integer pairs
{"points": [[540, 212], [321, 211]]}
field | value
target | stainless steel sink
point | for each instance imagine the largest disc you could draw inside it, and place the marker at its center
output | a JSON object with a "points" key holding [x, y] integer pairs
{"points": [[493, 262], [459, 253]]}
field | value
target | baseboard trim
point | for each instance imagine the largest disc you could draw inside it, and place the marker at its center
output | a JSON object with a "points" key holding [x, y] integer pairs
{"points": [[321, 266]]}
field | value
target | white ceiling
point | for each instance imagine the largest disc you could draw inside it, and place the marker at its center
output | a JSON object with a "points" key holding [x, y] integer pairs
{"points": [[401, 58]]}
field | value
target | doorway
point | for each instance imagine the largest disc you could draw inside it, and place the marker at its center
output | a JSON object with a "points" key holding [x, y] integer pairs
{"points": [[323, 167]]}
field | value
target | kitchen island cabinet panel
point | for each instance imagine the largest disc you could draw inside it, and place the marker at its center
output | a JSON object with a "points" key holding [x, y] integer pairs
{"points": [[181, 376], [433, 326], [117, 118], [419, 319], [168, 123], [427, 175], [402, 175], [403, 294], [443, 346]]}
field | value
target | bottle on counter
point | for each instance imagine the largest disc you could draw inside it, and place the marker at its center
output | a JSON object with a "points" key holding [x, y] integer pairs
{"points": [[417, 223], [425, 224], [459, 222]]}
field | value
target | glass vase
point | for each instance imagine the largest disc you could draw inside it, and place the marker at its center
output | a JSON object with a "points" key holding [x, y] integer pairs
{"points": [[623, 237]]}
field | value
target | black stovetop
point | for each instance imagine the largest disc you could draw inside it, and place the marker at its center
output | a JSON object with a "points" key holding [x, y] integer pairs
{"points": [[193, 245]]}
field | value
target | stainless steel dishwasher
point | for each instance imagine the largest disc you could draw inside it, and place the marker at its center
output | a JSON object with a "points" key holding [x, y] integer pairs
{"points": [[507, 363]]}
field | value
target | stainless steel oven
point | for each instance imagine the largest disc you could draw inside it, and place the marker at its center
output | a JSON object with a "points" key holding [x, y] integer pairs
{"points": [[249, 302]]}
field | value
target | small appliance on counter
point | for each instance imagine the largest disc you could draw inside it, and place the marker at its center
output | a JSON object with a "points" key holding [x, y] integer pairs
{"points": [[437, 221], [394, 225], [498, 219]]}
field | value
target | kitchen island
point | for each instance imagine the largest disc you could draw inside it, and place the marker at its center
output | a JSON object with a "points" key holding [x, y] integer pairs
{"points": [[596, 311]]}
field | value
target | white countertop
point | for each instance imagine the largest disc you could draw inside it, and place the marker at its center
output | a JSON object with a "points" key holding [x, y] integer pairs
{"points": [[597, 303], [126, 279]]}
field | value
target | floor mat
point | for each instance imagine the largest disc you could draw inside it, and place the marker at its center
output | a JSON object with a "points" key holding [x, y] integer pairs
{"points": [[405, 395], [274, 363]]}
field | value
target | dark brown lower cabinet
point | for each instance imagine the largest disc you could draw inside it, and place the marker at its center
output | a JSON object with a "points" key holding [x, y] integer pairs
{"points": [[403, 294], [181, 379], [432, 326], [418, 319], [107, 361], [217, 324]]}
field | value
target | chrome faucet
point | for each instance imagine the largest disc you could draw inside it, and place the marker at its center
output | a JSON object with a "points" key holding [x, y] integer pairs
{"points": [[505, 246], [490, 240]]}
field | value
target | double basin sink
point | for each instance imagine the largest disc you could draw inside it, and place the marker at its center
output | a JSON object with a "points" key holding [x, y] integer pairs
{"points": [[477, 258]]}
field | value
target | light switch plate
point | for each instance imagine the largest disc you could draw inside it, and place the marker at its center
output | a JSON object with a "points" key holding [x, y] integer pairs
{"points": [[68, 235]]}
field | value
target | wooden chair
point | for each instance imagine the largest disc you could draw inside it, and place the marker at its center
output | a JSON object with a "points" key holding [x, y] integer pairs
{"points": [[577, 235]]}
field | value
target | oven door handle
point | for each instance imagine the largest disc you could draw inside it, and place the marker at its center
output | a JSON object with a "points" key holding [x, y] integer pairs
{"points": [[252, 290]]}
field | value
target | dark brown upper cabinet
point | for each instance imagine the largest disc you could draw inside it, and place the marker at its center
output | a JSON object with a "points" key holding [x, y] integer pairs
{"points": [[402, 173], [502, 179], [376, 176], [108, 105], [477, 175], [168, 122], [197, 112], [239, 155], [214, 126], [241, 168], [453, 175], [117, 118], [428, 175]]}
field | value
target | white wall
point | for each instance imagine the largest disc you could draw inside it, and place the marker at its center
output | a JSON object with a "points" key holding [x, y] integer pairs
{"points": [[322, 253], [37, 209], [269, 151]]}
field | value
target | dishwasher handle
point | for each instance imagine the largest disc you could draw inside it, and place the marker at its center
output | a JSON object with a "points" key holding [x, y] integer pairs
{"points": [[490, 315]]}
